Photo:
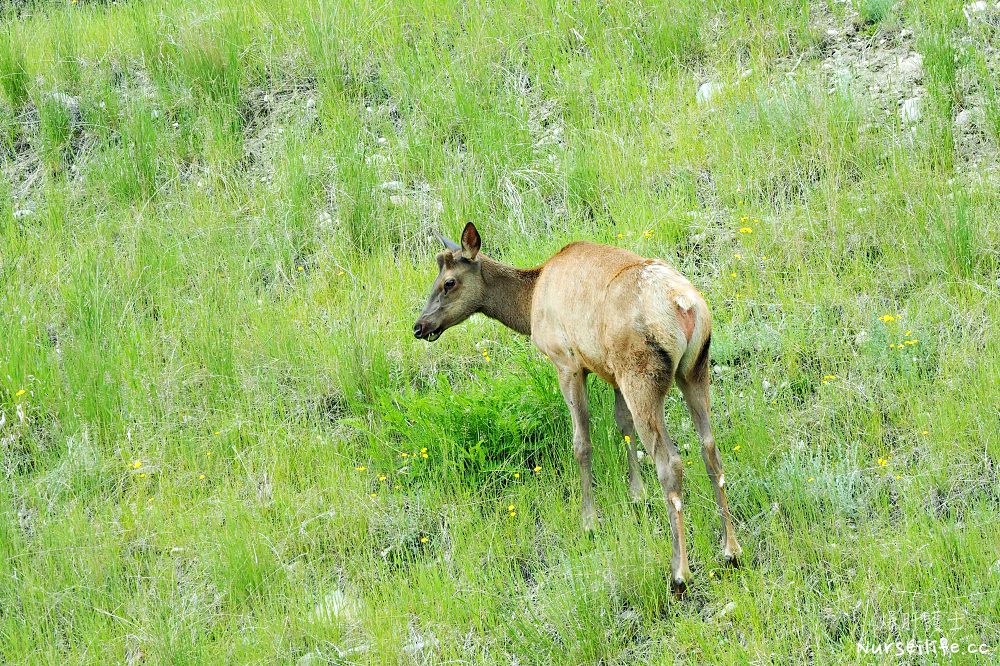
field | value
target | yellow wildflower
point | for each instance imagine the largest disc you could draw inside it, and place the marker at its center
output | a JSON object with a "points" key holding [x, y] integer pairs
{"points": [[20, 393], [628, 440], [360, 468], [744, 218], [137, 464], [517, 475], [909, 333], [621, 236], [424, 539], [374, 495], [513, 514], [299, 268], [423, 450], [887, 318], [811, 479], [404, 454], [737, 448], [925, 432], [732, 275], [340, 273], [738, 256], [381, 477], [746, 230], [201, 477], [424, 455], [142, 475], [648, 233], [538, 468], [510, 507]]}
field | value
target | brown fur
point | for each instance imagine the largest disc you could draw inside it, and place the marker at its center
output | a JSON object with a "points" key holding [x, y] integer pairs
{"points": [[635, 322]]}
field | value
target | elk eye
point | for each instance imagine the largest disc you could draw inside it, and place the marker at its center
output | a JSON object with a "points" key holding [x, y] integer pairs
{"points": [[449, 284]]}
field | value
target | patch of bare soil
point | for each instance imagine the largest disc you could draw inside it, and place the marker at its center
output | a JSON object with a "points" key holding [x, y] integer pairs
{"points": [[886, 67]]}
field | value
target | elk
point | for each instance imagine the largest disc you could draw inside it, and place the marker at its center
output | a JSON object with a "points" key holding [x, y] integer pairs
{"points": [[635, 322]]}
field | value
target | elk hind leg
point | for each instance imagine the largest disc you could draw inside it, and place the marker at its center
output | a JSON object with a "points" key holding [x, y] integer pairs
{"points": [[645, 401], [696, 395]]}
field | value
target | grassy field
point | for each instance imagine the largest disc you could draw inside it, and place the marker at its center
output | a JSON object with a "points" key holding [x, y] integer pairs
{"points": [[220, 443]]}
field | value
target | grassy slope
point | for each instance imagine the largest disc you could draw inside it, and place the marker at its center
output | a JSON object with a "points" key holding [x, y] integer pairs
{"points": [[207, 288]]}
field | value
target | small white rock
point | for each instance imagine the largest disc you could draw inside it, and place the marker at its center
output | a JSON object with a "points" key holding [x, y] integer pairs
{"points": [[419, 644], [310, 103], [909, 112], [707, 91], [975, 10], [336, 606], [726, 610], [963, 118], [22, 212], [392, 186]]}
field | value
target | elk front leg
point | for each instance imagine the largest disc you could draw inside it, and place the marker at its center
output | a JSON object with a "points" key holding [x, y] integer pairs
{"points": [[623, 418], [574, 390]]}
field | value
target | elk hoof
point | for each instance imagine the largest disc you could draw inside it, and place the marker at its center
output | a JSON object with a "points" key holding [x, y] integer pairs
{"points": [[732, 554], [680, 580]]}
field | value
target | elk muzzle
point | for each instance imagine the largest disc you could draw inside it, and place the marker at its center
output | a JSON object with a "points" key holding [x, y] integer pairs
{"points": [[424, 330]]}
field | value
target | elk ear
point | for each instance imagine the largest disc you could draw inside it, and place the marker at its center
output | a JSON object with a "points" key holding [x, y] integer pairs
{"points": [[470, 241]]}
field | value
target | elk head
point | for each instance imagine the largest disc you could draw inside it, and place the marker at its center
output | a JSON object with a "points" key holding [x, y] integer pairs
{"points": [[458, 291]]}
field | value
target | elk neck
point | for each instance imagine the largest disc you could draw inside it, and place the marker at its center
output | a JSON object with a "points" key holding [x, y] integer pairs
{"points": [[508, 294]]}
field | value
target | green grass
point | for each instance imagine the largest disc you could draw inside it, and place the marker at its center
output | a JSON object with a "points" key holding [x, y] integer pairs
{"points": [[214, 415]]}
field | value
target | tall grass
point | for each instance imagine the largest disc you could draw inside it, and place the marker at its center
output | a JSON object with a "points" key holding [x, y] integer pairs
{"points": [[220, 443], [13, 71]]}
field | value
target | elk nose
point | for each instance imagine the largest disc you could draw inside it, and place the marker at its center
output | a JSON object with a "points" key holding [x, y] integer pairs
{"points": [[418, 329]]}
